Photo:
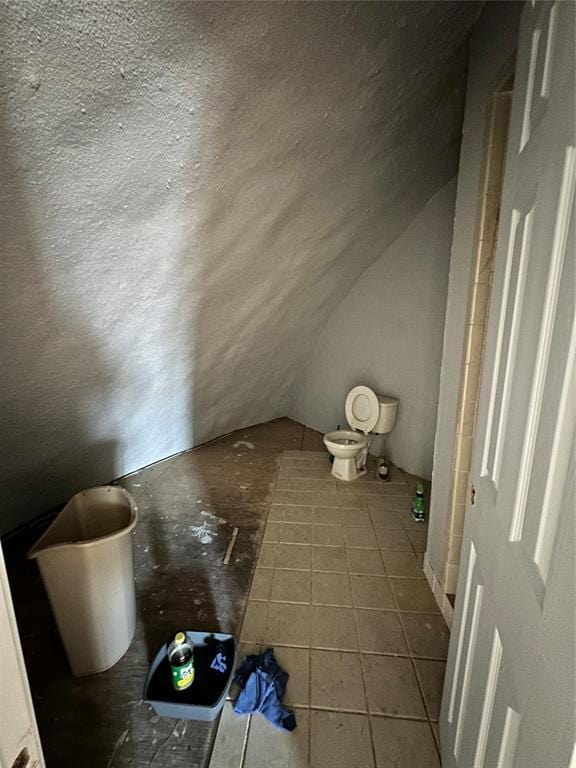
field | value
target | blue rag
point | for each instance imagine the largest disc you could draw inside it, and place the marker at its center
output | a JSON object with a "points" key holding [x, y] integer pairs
{"points": [[219, 662], [262, 684]]}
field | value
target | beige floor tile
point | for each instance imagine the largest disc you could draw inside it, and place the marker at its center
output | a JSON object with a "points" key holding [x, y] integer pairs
{"points": [[284, 513], [267, 556], [305, 484], [431, 676], [326, 516], [295, 556], [295, 661], [427, 634], [247, 649], [393, 539], [329, 559], [418, 539], [402, 498], [372, 592], [353, 501], [294, 533], [229, 741], [380, 632], [363, 489], [288, 624], [308, 456], [403, 743], [328, 535], [255, 622], [402, 506], [291, 586], [366, 561], [414, 595], [307, 498], [331, 589], [360, 537], [269, 748], [391, 686], [380, 504], [340, 740], [353, 516], [271, 533], [301, 469], [385, 518], [336, 681], [402, 564], [261, 584], [333, 628]]}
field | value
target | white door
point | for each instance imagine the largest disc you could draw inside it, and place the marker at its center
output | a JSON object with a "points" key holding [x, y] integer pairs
{"points": [[509, 694], [19, 740]]}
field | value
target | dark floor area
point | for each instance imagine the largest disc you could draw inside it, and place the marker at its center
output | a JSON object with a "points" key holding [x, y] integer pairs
{"points": [[188, 507]]}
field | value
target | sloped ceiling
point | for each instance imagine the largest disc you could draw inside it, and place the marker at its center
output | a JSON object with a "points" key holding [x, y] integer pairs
{"points": [[189, 189]]}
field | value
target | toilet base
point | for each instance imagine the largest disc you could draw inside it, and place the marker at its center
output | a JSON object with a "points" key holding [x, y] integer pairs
{"points": [[346, 469]]}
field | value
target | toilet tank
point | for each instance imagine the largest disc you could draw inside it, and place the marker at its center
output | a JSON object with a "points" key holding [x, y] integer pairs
{"points": [[387, 415]]}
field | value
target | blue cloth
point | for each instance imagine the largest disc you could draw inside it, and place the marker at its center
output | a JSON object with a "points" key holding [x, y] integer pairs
{"points": [[219, 662], [262, 684]]}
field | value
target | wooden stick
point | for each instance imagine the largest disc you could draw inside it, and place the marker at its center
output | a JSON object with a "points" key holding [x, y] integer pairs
{"points": [[230, 547]]}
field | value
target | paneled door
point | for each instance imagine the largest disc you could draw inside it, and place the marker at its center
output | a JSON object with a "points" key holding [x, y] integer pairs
{"points": [[509, 694], [19, 740]]}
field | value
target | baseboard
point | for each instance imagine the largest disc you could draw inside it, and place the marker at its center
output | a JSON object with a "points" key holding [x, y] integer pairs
{"points": [[438, 591]]}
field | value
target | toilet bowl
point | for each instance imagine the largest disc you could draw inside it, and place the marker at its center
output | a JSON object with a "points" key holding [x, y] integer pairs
{"points": [[366, 413], [350, 451]]}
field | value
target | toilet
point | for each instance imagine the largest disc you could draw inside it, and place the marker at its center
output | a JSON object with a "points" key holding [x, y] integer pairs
{"points": [[366, 413]]}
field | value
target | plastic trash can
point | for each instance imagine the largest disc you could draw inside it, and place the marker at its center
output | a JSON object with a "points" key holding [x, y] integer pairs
{"points": [[86, 562]]}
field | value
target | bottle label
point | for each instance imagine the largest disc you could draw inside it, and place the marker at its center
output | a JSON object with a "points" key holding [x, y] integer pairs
{"points": [[182, 677]]}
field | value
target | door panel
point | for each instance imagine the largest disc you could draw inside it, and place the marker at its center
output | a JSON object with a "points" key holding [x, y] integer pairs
{"points": [[18, 732], [509, 690]]}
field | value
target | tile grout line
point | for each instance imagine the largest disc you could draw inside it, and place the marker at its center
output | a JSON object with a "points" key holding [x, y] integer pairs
{"points": [[362, 667], [416, 675], [420, 689], [310, 647], [245, 743], [309, 692]]}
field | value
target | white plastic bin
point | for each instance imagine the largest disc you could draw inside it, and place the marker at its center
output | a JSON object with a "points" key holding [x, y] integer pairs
{"points": [[85, 559]]}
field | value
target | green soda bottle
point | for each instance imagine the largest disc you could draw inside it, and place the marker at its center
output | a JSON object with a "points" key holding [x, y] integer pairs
{"points": [[418, 504], [181, 658]]}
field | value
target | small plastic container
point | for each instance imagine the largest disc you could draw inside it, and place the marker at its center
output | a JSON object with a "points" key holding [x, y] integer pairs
{"points": [[204, 699], [85, 559]]}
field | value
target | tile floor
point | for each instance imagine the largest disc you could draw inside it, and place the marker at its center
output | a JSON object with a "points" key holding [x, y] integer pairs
{"points": [[336, 562], [340, 594]]}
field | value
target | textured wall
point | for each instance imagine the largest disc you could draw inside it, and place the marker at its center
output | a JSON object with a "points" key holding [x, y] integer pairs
{"points": [[387, 334], [493, 43], [188, 191]]}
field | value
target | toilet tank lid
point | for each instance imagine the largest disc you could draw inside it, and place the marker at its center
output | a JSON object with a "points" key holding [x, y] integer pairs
{"points": [[385, 400], [362, 409]]}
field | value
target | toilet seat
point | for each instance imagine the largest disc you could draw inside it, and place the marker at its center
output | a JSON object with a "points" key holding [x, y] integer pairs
{"points": [[362, 409]]}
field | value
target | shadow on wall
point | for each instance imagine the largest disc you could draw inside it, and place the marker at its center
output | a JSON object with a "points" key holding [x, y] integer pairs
{"points": [[191, 189], [315, 162], [47, 447]]}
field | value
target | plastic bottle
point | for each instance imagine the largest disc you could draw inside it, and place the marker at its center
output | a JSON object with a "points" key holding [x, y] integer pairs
{"points": [[181, 658], [418, 504]]}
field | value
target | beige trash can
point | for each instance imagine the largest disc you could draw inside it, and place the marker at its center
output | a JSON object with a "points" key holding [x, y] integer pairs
{"points": [[85, 559]]}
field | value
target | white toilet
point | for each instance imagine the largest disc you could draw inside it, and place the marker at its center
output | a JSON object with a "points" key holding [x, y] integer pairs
{"points": [[366, 413]]}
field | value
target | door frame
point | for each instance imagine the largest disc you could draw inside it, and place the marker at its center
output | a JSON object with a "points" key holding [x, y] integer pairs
{"points": [[20, 745]]}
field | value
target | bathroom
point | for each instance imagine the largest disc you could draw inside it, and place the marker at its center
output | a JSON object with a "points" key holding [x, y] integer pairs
{"points": [[218, 219]]}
